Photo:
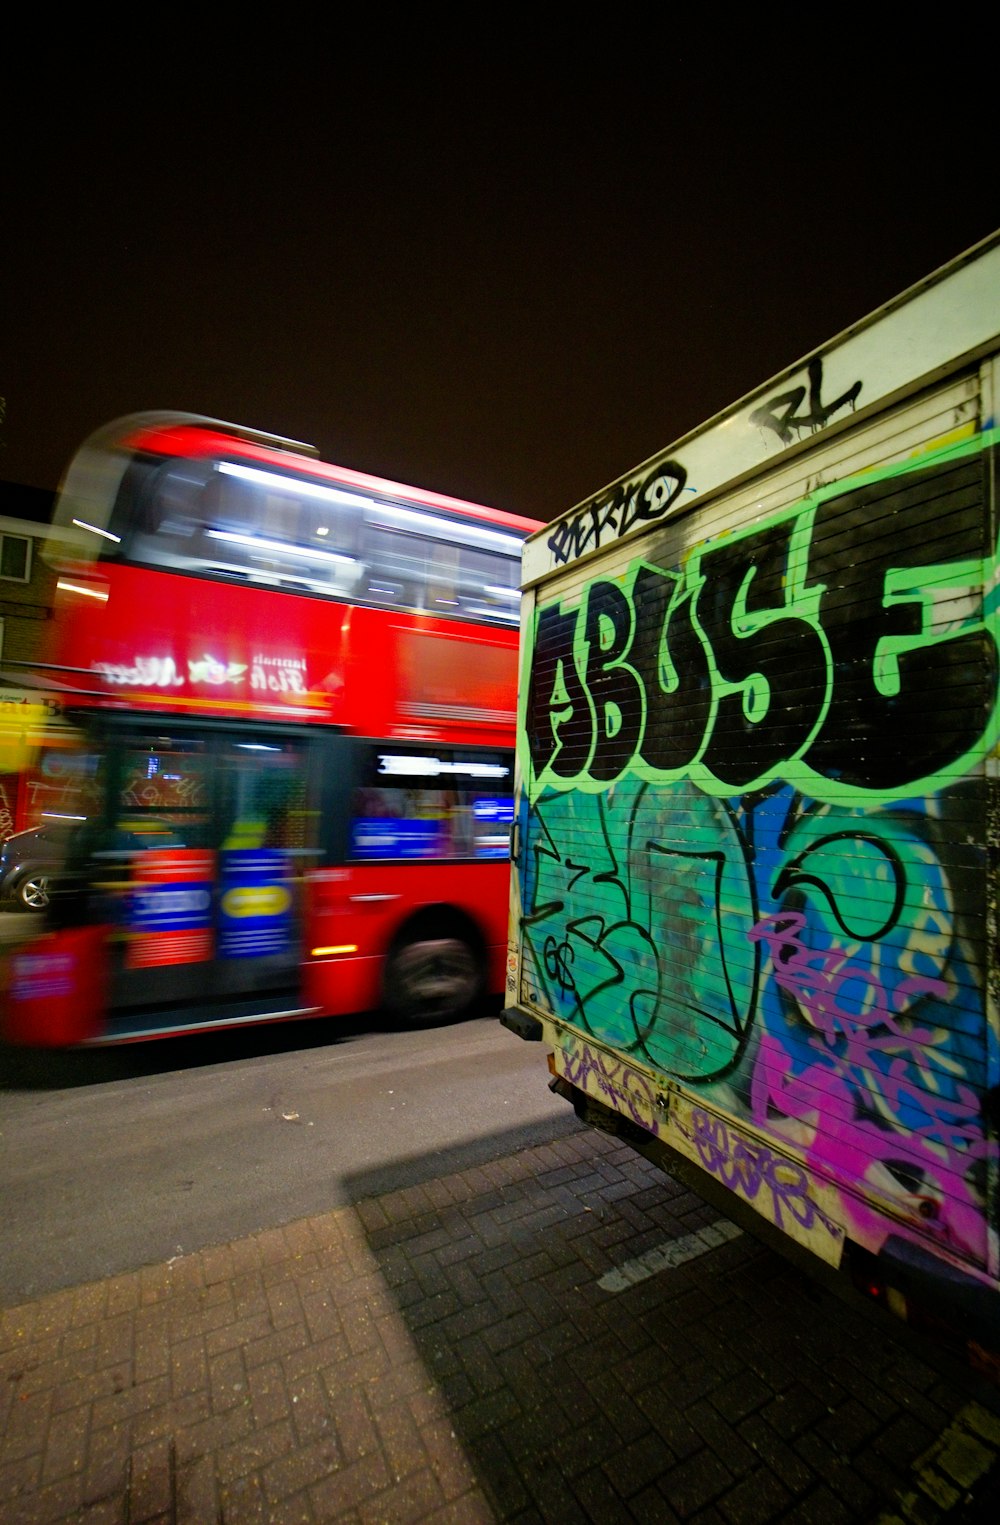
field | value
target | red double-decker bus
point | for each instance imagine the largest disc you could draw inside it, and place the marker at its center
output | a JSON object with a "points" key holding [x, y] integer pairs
{"points": [[291, 689]]}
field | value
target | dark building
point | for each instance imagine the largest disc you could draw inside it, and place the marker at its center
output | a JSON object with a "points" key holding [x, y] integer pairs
{"points": [[27, 585]]}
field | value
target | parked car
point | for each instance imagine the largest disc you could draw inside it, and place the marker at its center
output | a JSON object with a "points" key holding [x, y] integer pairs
{"points": [[27, 861]]}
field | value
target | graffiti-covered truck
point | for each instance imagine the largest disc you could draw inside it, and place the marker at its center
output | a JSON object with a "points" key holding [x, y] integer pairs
{"points": [[753, 898]]}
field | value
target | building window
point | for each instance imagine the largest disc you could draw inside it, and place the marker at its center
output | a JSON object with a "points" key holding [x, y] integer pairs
{"points": [[15, 558]]}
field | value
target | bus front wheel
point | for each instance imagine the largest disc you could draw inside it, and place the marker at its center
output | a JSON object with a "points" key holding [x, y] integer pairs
{"points": [[433, 978]]}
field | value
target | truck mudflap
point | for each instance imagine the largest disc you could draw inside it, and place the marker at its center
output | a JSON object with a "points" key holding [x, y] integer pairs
{"points": [[522, 1024]]}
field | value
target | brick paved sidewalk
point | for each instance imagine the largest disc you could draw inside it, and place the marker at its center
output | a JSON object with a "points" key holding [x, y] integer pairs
{"points": [[565, 1335]]}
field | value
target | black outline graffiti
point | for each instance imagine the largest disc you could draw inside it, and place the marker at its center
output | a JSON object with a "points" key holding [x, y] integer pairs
{"points": [[559, 958], [618, 514], [595, 934], [792, 876], [767, 415], [761, 652]]}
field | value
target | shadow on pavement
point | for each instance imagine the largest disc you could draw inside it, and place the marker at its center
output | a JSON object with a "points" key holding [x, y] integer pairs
{"points": [[582, 1385]]}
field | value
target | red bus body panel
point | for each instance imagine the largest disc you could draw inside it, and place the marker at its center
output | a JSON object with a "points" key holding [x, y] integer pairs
{"points": [[187, 645], [356, 910]]}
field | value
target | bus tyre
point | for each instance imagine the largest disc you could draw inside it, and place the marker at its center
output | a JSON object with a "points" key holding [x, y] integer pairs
{"points": [[433, 979]]}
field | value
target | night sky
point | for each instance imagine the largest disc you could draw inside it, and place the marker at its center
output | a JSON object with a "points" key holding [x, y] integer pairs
{"points": [[509, 265]]}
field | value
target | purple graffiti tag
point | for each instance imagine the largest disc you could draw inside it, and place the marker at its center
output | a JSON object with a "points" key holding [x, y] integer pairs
{"points": [[815, 979], [846, 1141], [871, 1067], [620, 1086], [749, 1168]]}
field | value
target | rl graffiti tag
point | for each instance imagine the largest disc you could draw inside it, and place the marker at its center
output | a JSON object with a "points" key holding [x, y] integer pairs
{"points": [[780, 413], [606, 518]]}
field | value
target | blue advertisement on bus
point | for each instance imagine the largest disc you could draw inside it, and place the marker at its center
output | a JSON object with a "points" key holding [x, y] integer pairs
{"points": [[255, 903], [392, 837], [169, 915]]}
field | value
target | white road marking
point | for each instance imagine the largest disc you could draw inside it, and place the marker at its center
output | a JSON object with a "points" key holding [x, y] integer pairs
{"points": [[674, 1253]]}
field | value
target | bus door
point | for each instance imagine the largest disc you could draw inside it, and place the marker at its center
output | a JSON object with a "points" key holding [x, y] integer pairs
{"points": [[199, 861]]}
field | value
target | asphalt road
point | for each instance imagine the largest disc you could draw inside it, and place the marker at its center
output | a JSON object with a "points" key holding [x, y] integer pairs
{"points": [[113, 1159]]}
